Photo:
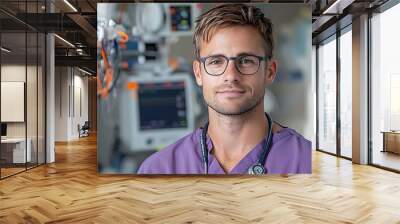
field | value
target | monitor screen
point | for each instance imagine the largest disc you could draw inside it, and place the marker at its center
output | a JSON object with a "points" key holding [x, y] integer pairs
{"points": [[162, 105], [181, 18], [3, 129]]}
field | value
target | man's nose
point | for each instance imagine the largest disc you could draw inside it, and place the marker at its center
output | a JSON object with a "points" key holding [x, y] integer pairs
{"points": [[231, 73]]}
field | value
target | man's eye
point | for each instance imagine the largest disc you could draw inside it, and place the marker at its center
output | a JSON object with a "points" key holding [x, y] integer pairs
{"points": [[246, 61], [215, 61]]}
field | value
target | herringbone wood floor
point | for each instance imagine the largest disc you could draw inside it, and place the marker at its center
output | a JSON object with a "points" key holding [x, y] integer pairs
{"points": [[71, 191]]}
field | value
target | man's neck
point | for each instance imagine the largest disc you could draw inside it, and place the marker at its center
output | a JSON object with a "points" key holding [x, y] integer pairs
{"points": [[235, 136]]}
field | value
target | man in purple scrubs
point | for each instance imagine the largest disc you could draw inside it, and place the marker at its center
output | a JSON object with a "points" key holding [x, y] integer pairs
{"points": [[234, 65]]}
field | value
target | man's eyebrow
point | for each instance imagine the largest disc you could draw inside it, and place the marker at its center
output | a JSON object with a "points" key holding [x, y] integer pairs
{"points": [[247, 53], [214, 55], [240, 54]]}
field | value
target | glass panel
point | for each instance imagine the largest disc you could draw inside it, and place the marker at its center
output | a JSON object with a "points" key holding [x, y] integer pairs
{"points": [[31, 100], [22, 79], [313, 80], [327, 96], [32, 87], [13, 88], [41, 99], [346, 94], [385, 86]]}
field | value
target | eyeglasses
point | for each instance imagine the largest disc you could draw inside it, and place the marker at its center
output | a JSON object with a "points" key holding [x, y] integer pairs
{"points": [[246, 64]]}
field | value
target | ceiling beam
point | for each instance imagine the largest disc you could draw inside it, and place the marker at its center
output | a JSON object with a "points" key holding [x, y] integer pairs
{"points": [[83, 61], [86, 26]]}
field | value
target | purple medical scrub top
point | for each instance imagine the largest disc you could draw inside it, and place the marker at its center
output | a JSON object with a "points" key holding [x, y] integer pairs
{"points": [[290, 153]]}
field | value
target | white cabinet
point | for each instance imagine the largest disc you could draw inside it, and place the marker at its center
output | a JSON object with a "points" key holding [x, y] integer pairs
{"points": [[18, 149]]}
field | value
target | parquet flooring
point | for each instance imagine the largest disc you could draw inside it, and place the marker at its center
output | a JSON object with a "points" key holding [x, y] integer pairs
{"points": [[10, 171], [71, 191]]}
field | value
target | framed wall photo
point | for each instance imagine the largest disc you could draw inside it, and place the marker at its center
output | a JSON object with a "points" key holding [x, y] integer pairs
{"points": [[12, 101]]}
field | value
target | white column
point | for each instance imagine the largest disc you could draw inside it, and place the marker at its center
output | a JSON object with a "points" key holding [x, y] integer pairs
{"points": [[50, 110], [360, 90]]}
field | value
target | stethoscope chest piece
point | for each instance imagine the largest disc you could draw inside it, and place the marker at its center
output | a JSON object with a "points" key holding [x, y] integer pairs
{"points": [[257, 169]]}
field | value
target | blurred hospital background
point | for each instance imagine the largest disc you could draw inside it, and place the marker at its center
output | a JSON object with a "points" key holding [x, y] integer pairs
{"points": [[149, 98]]}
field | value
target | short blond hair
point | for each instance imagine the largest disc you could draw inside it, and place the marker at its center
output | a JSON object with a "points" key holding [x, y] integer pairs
{"points": [[227, 15]]}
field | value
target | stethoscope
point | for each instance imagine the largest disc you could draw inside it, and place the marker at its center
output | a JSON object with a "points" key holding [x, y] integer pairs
{"points": [[256, 169]]}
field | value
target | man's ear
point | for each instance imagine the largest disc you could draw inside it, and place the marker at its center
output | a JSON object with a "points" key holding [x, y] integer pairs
{"points": [[197, 72], [270, 70]]}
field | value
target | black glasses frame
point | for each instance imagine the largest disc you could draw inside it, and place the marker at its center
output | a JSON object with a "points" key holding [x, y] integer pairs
{"points": [[260, 58]]}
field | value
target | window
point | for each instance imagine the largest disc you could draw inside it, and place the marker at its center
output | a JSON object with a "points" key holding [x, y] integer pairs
{"points": [[327, 96], [346, 93], [385, 88]]}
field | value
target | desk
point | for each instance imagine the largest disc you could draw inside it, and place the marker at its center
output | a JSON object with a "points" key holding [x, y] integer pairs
{"points": [[391, 141], [16, 147]]}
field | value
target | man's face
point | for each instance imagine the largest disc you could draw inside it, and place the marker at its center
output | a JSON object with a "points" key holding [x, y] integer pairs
{"points": [[233, 93]]}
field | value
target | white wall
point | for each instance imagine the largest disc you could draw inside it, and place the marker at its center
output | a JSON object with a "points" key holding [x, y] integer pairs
{"points": [[16, 73], [61, 103], [33, 126], [80, 89], [13, 73], [71, 93]]}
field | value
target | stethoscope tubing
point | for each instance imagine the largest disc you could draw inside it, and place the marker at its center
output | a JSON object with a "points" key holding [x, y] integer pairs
{"points": [[261, 160]]}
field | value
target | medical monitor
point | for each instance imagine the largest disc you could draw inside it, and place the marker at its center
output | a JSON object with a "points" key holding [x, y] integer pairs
{"points": [[159, 113], [162, 105]]}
